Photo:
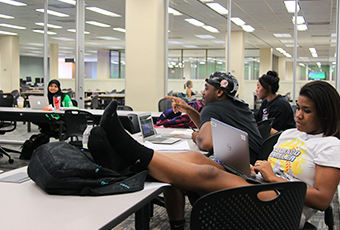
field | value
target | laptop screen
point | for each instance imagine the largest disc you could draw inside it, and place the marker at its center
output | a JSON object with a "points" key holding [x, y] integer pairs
{"points": [[146, 125]]}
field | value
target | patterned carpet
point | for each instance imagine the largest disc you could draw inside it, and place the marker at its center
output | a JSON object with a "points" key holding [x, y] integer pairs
{"points": [[159, 221]]}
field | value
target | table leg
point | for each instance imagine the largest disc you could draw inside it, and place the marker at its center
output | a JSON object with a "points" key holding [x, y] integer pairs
{"points": [[142, 218]]}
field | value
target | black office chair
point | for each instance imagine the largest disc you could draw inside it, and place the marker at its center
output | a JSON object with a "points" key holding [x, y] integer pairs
{"points": [[7, 126], [124, 107], [265, 127], [267, 146], [328, 218], [75, 121], [164, 104], [134, 124], [94, 102], [240, 208]]}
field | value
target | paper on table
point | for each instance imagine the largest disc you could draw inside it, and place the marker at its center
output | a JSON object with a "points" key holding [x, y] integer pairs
{"points": [[180, 146], [187, 133]]}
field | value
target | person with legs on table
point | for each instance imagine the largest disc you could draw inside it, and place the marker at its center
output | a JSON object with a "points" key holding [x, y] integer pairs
{"points": [[308, 153], [273, 104], [220, 103]]}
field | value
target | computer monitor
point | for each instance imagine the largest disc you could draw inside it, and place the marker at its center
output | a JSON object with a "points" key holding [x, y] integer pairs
{"points": [[28, 79], [37, 80], [316, 75], [42, 80]]}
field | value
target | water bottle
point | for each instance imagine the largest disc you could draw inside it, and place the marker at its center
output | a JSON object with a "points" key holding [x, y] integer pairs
{"points": [[86, 133]]}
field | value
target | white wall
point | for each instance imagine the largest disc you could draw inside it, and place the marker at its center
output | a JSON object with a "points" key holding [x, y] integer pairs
{"points": [[102, 84]]}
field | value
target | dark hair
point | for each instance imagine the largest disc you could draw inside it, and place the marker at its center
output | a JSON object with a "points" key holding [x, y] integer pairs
{"points": [[186, 85], [58, 93], [327, 104], [271, 79]]}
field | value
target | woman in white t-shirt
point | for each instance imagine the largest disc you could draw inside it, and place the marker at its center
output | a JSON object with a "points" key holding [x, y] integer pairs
{"points": [[309, 153]]}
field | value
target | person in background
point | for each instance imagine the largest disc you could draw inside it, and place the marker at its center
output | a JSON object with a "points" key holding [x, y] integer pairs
{"points": [[273, 104], [308, 153], [55, 90], [188, 85], [50, 128]]}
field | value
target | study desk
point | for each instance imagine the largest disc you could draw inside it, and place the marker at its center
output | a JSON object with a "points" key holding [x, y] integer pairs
{"points": [[25, 206], [106, 98]]}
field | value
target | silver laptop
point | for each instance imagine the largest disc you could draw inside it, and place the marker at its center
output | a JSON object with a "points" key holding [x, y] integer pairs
{"points": [[38, 102], [231, 146], [149, 132]]}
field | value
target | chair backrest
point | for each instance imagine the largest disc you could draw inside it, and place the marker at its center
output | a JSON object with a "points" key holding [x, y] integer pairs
{"points": [[94, 102], [265, 127], [164, 104], [6, 101], [134, 125], [267, 146], [240, 208], [75, 122], [124, 107]]}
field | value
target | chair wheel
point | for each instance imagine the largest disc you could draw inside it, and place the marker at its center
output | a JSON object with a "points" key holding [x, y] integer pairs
{"points": [[10, 161]]}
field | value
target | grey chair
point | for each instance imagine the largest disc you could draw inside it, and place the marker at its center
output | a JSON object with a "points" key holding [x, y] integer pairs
{"points": [[265, 127], [240, 208], [164, 104], [75, 122], [267, 146]]}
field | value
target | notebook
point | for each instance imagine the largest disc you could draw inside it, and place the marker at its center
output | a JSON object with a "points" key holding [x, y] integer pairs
{"points": [[149, 132], [231, 148], [38, 102]]}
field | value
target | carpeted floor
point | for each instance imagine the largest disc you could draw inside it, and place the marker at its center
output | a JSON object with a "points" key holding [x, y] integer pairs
{"points": [[159, 221]]}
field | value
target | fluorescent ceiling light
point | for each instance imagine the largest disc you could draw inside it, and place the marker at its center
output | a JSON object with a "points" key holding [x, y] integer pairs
{"points": [[312, 50], [31, 48], [103, 12], [65, 51], [333, 40], [205, 36], [238, 21], [174, 12], [7, 33], [315, 55], [206, 0], [74, 30], [63, 39], [120, 30], [13, 26], [194, 22], [218, 8], [248, 28], [301, 64], [300, 20], [190, 46], [290, 6], [280, 50], [302, 27], [219, 41], [107, 38], [175, 42], [35, 44], [35, 51], [287, 55], [13, 3], [72, 2], [92, 43], [114, 47], [287, 41], [333, 35], [48, 25], [282, 35], [54, 13], [6, 16], [97, 24], [319, 64], [291, 45], [48, 32], [210, 29]]}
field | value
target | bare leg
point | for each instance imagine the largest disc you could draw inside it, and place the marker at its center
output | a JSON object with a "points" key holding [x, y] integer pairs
{"points": [[174, 203]]}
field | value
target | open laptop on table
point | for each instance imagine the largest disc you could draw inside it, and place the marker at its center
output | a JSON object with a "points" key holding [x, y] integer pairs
{"points": [[38, 102], [149, 132], [231, 148]]}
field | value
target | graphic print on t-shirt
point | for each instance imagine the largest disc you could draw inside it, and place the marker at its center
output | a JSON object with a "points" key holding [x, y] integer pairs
{"points": [[265, 114], [289, 156]]}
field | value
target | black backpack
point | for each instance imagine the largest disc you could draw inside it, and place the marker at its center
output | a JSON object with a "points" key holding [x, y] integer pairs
{"points": [[62, 169], [31, 144]]}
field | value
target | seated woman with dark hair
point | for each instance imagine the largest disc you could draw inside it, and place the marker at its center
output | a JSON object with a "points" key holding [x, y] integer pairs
{"points": [[309, 153], [54, 90], [273, 104]]}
